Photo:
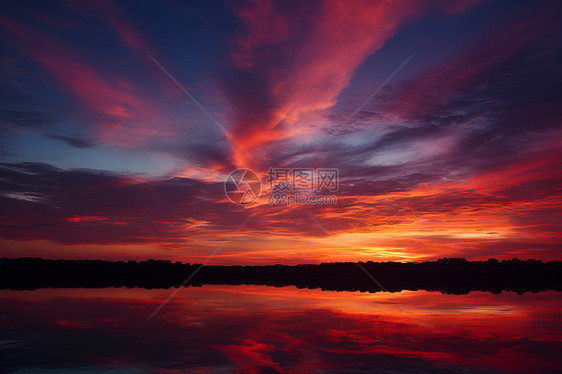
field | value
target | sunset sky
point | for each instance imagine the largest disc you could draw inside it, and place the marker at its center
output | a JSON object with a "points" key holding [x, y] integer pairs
{"points": [[444, 119]]}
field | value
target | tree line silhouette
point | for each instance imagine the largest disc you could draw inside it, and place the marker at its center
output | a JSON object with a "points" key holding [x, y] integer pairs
{"points": [[448, 275]]}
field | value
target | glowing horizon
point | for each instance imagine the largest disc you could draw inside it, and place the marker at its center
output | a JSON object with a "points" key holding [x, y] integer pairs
{"points": [[443, 119]]}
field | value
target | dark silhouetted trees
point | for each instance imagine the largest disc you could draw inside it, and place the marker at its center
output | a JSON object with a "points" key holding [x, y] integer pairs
{"points": [[449, 275]]}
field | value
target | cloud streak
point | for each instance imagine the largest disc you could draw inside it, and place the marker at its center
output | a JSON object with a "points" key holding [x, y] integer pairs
{"points": [[457, 158]]}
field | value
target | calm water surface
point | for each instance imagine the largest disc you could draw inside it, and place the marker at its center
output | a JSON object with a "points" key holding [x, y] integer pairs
{"points": [[259, 329]]}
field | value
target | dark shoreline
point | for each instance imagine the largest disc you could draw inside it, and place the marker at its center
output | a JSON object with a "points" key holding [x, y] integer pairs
{"points": [[455, 276]]}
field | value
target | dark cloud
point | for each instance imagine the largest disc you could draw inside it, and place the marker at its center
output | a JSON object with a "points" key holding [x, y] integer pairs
{"points": [[20, 108], [40, 201], [495, 102], [75, 141], [472, 134]]}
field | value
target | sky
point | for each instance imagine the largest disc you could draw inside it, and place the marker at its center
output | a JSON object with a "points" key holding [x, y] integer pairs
{"points": [[120, 122]]}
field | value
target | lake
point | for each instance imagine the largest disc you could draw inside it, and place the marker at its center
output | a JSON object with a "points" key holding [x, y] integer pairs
{"points": [[260, 329]]}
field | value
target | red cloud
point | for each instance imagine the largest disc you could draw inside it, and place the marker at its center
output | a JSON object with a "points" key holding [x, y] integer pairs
{"points": [[123, 116], [304, 57]]}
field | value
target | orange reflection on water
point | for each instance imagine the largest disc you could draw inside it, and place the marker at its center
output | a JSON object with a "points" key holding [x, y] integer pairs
{"points": [[265, 329]]}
